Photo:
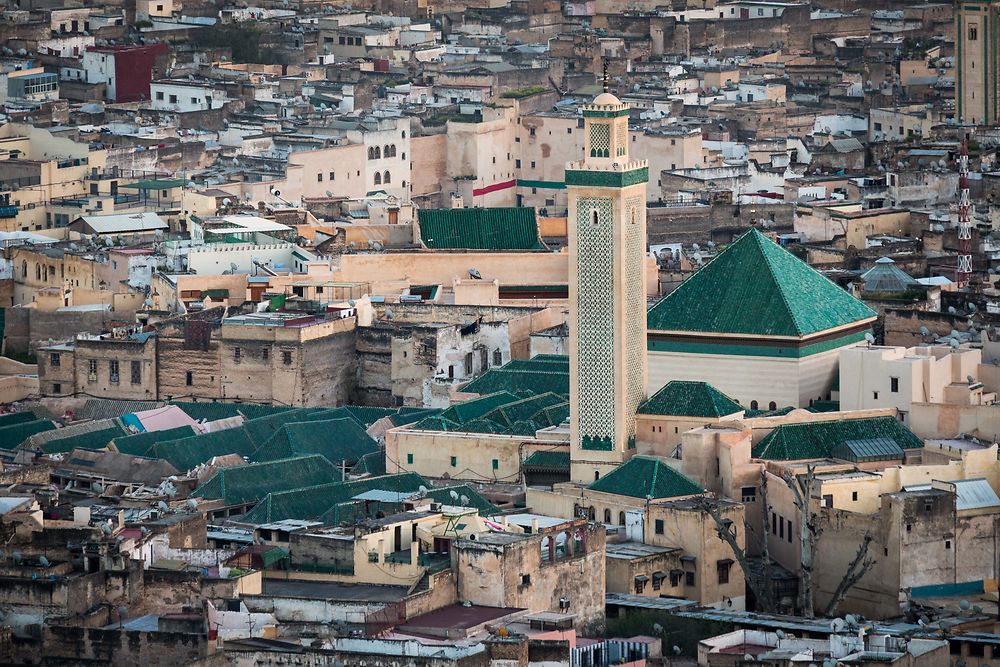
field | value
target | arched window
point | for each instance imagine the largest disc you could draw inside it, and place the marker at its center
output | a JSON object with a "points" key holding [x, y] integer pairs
{"points": [[378, 152], [597, 475], [546, 549], [403, 184], [753, 405], [594, 219], [24, 268], [38, 271], [621, 518], [378, 178], [607, 516], [387, 151], [592, 513], [371, 153], [403, 134], [772, 406], [387, 179]]}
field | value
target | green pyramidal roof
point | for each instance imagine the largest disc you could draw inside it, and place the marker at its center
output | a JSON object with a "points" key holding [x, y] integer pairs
{"points": [[755, 287], [646, 477], [681, 398]]}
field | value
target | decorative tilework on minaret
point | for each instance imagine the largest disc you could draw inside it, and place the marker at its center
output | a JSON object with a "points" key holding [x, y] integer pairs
{"points": [[607, 243]]}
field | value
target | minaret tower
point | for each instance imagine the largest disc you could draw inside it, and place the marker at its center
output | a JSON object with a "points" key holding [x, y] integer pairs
{"points": [[607, 249], [964, 269]]}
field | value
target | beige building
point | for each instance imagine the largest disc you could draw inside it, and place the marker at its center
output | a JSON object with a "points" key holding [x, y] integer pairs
{"points": [[976, 92], [826, 221], [903, 378]]}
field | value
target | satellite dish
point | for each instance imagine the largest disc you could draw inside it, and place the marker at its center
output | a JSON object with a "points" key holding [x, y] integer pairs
{"points": [[16, 557], [227, 201], [964, 605], [106, 529], [422, 489], [780, 634], [954, 343], [657, 628], [454, 494], [191, 504], [162, 506], [924, 331], [389, 313], [43, 561], [869, 337], [98, 487], [464, 500], [951, 309], [475, 275], [837, 625]]}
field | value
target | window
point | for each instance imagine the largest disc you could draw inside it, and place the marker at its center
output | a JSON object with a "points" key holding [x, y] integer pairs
{"points": [[113, 371], [722, 568], [532, 164], [659, 526], [973, 33], [569, 130], [189, 378], [173, 99], [496, 464], [640, 583], [774, 523], [92, 369], [387, 178], [753, 405], [136, 372], [749, 494], [517, 164], [286, 357], [57, 388], [772, 406], [828, 500], [781, 527], [875, 395], [378, 178], [54, 359], [789, 532], [409, 459], [621, 518], [330, 175], [194, 100], [878, 127], [854, 496], [319, 178], [454, 461], [265, 354], [607, 516], [689, 578], [525, 579], [947, 544], [237, 354], [894, 385], [159, 95]]}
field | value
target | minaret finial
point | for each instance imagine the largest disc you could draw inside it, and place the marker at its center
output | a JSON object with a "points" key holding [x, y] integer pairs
{"points": [[605, 75]]}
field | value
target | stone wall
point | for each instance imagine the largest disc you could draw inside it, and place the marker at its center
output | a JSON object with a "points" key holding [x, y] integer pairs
{"points": [[24, 327], [122, 648]]}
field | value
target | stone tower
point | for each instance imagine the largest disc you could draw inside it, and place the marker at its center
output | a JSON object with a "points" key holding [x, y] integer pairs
{"points": [[607, 334]]}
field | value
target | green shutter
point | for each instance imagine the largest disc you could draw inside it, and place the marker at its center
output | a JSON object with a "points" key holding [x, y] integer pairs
{"points": [[409, 459]]}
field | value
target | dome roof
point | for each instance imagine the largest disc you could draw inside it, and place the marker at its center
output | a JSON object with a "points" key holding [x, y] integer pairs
{"points": [[607, 99]]}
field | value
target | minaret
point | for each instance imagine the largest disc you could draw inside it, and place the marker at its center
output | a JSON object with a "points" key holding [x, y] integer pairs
{"points": [[607, 248]]}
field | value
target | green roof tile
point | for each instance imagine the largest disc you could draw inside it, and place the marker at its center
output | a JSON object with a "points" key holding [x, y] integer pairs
{"points": [[12, 418], [140, 443], [186, 453], [480, 229], [313, 502], [370, 464], [351, 512], [250, 483], [13, 435], [680, 398], [260, 429], [90, 440], [368, 415], [755, 287], [522, 382], [556, 460], [336, 439], [211, 411], [646, 477], [826, 439]]}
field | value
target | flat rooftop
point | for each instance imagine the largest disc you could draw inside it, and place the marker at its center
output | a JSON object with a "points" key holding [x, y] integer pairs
{"points": [[318, 590]]}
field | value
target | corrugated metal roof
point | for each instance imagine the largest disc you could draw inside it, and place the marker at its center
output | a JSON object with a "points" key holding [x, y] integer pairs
{"points": [[131, 222], [970, 494]]}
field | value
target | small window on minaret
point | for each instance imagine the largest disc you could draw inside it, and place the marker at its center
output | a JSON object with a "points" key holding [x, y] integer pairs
{"points": [[633, 216], [593, 218]]}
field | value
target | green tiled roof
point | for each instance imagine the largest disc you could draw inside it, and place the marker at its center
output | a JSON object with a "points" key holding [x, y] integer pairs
{"points": [[260, 429], [312, 502], [368, 415], [210, 411], [412, 416], [370, 464], [501, 413], [13, 435], [90, 440], [814, 440], [754, 287], [680, 398], [336, 439], [869, 449], [186, 453], [480, 228], [140, 443], [475, 408], [350, 512], [250, 483], [12, 418], [646, 477], [520, 382], [557, 460]]}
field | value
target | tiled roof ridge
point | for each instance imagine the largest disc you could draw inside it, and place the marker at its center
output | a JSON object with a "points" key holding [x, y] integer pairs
{"points": [[761, 239]]}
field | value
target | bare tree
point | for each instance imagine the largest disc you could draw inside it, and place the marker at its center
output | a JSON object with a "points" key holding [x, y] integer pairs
{"points": [[858, 568], [802, 486], [759, 581]]}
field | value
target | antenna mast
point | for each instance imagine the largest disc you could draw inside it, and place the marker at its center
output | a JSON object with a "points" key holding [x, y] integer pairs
{"points": [[964, 269]]}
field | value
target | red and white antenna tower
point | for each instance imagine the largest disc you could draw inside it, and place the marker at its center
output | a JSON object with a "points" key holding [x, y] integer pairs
{"points": [[964, 270]]}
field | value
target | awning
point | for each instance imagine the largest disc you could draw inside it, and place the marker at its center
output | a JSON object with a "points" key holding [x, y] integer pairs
{"points": [[642, 578], [659, 574], [725, 561], [689, 559]]}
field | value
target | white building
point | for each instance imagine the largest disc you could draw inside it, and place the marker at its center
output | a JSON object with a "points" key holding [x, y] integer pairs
{"points": [[185, 96]]}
